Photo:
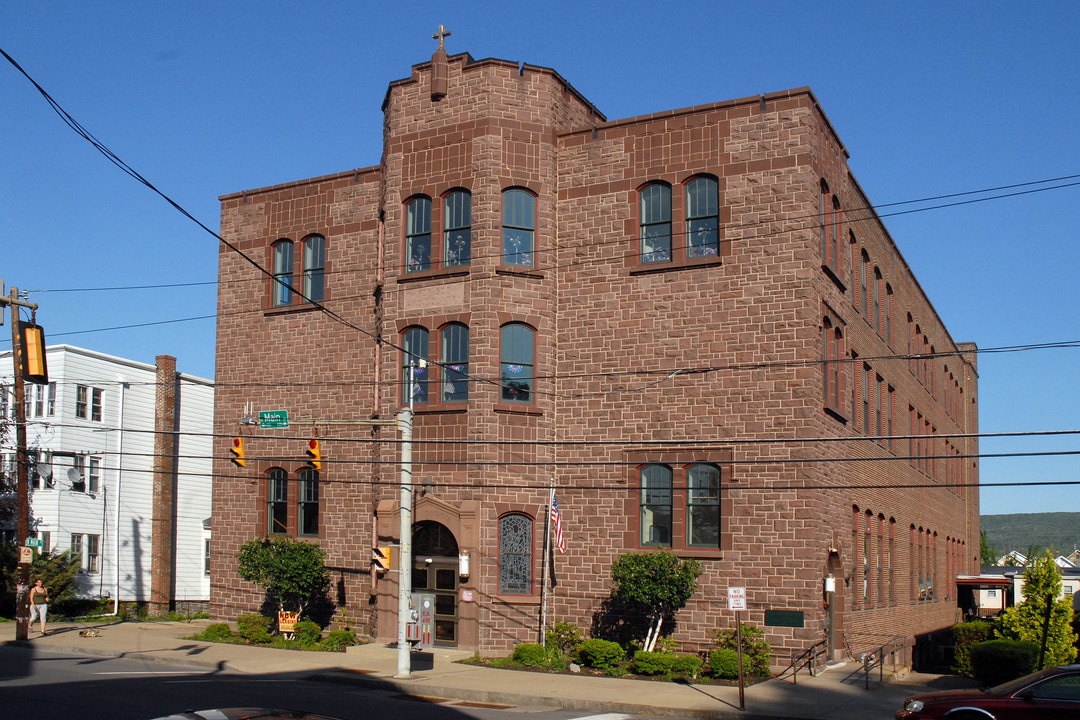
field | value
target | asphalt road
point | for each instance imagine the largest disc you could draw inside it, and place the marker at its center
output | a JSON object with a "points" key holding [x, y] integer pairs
{"points": [[40, 685]]}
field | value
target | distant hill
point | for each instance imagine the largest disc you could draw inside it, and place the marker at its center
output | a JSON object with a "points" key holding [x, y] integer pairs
{"points": [[1059, 531]]}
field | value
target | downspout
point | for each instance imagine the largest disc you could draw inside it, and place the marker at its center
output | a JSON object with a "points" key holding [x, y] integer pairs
{"points": [[116, 504]]}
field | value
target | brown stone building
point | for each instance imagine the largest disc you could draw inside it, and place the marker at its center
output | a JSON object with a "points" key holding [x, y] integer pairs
{"points": [[692, 324]]}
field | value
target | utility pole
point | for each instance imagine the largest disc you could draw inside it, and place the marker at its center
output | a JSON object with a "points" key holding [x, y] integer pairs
{"points": [[22, 486]]}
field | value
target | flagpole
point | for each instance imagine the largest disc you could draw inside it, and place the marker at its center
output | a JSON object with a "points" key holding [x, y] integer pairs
{"points": [[546, 566]]}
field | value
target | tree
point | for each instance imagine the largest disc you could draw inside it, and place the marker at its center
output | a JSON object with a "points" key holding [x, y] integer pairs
{"points": [[657, 583], [291, 571], [56, 570], [988, 554], [1042, 613]]}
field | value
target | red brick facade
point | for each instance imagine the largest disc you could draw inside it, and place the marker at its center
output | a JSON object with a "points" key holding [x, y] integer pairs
{"points": [[703, 360]]}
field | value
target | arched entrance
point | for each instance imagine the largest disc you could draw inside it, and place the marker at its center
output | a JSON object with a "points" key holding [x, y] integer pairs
{"points": [[435, 571]]}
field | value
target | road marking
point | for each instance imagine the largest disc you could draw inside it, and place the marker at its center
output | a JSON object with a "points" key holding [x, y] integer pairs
{"points": [[605, 716]]}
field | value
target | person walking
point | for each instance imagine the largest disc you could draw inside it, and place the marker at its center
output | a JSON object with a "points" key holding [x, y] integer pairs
{"points": [[39, 603]]}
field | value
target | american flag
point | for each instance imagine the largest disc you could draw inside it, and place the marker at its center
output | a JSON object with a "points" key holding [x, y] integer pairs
{"points": [[556, 524]]}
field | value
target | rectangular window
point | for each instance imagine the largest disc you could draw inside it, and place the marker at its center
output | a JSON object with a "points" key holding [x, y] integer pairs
{"points": [[77, 545], [281, 292], [308, 502], [703, 506], [93, 475], [314, 278], [277, 502], [655, 505], [78, 483], [206, 558], [93, 554], [81, 402], [95, 404]]}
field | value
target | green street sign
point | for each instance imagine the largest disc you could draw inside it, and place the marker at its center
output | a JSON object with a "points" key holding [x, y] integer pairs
{"points": [[273, 419], [33, 542]]}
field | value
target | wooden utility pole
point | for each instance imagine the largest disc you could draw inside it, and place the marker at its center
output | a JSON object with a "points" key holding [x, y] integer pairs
{"points": [[22, 467]]}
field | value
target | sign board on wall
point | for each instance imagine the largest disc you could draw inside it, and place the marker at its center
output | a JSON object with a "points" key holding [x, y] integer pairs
{"points": [[736, 598]]}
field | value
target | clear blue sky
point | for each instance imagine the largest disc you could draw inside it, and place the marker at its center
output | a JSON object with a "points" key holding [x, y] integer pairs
{"points": [[208, 98]]}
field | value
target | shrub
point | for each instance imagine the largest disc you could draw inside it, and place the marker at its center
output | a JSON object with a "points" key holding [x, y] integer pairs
{"points": [[653, 663], [530, 655], [966, 636], [217, 632], [601, 654], [756, 651], [307, 633], [724, 663], [565, 638], [688, 666], [997, 661], [254, 627], [339, 640]]}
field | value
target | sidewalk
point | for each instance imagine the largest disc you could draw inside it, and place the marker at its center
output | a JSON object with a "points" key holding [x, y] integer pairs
{"points": [[839, 693]]}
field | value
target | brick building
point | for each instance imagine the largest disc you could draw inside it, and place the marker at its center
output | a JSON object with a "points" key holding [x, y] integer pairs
{"points": [[692, 324]]}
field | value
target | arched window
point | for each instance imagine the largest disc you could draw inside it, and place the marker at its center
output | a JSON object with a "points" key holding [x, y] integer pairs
{"points": [[876, 298], [277, 502], [832, 341], [457, 229], [454, 361], [655, 221], [307, 502], [414, 386], [703, 506], [864, 270], [418, 234], [314, 268], [655, 505], [702, 217], [519, 228], [515, 554], [517, 358], [283, 273]]}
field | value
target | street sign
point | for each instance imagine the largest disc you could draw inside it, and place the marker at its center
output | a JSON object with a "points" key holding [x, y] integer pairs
{"points": [[736, 598], [273, 419], [33, 542]]}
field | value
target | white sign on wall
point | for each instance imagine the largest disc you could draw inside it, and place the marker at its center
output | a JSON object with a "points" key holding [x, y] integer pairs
{"points": [[736, 598]]}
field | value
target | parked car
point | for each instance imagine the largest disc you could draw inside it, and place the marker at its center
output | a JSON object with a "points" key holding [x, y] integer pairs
{"points": [[1051, 693]]}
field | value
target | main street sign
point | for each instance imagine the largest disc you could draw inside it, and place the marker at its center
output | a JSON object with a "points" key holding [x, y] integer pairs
{"points": [[273, 419]]}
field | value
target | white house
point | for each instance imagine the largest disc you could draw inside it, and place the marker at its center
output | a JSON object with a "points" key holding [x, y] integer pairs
{"points": [[98, 436]]}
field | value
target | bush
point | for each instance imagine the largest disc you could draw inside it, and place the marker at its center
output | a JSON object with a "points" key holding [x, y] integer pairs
{"points": [[688, 666], [217, 632], [565, 638], [997, 661], [724, 663], [653, 663], [532, 655], [756, 651], [601, 654], [338, 640], [966, 636], [254, 627], [307, 633]]}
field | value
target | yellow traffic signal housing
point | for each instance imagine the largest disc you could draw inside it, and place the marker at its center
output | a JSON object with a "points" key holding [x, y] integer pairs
{"points": [[239, 457], [32, 340], [314, 453], [380, 556]]}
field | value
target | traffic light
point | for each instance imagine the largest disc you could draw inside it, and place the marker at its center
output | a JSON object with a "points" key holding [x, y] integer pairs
{"points": [[314, 453], [380, 556], [32, 340], [239, 458]]}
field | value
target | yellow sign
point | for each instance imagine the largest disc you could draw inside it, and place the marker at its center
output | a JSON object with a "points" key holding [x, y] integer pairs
{"points": [[286, 621]]}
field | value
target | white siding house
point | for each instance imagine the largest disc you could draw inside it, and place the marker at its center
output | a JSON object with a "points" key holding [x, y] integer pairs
{"points": [[91, 434]]}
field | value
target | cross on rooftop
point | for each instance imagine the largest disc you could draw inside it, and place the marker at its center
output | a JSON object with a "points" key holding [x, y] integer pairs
{"points": [[441, 36]]}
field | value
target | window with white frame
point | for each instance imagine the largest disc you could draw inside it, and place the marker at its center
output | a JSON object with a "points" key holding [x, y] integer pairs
{"points": [[40, 400], [88, 403], [93, 474]]}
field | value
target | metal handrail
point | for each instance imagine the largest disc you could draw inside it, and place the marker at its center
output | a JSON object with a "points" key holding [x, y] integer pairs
{"points": [[876, 658], [805, 659]]}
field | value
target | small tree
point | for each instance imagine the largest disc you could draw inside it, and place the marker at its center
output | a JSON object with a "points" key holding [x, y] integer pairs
{"points": [[291, 571], [657, 583], [988, 554], [1030, 619]]}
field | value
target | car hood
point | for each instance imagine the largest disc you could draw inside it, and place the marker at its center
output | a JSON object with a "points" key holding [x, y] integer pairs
{"points": [[949, 696]]}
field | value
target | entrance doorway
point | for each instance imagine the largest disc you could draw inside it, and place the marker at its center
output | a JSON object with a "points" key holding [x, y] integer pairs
{"points": [[435, 571]]}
